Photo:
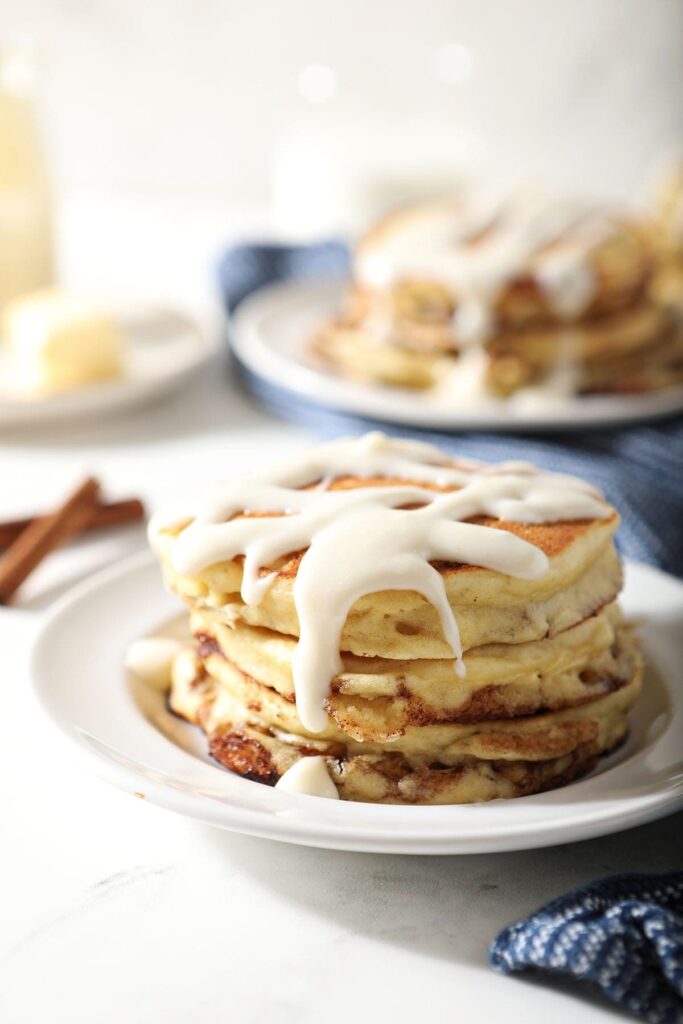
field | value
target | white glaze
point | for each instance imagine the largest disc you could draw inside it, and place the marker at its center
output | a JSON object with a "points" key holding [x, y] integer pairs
{"points": [[567, 281], [151, 660], [478, 250], [364, 540], [463, 382], [309, 776], [473, 321]]}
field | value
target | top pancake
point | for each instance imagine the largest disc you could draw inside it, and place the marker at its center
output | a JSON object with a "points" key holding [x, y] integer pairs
{"points": [[490, 607], [620, 261]]}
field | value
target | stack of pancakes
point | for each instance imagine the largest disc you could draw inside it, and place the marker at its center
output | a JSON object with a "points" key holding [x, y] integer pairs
{"points": [[574, 312], [551, 672]]}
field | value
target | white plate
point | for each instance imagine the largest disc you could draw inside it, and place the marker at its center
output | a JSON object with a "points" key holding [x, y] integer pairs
{"points": [[271, 336], [136, 743], [162, 349]]}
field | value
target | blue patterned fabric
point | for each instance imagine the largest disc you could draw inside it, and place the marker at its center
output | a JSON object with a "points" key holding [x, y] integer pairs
{"points": [[640, 469], [622, 934]]}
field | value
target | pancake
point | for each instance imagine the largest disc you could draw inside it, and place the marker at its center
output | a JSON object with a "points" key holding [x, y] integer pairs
{"points": [[658, 366], [583, 576], [454, 763], [382, 697], [600, 354], [356, 353]]}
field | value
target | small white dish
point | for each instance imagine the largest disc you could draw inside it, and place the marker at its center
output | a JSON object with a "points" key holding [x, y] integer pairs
{"points": [[271, 336], [132, 740], [163, 348]]}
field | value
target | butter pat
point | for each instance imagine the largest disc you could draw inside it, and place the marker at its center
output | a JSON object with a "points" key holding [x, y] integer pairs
{"points": [[59, 342]]}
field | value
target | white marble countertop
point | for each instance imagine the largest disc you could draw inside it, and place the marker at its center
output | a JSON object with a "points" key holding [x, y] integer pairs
{"points": [[114, 910]]}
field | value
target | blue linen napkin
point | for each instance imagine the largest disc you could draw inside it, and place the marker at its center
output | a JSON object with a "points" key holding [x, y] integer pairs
{"points": [[622, 934], [639, 468]]}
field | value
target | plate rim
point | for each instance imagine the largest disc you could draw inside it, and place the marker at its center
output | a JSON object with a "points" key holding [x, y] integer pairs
{"points": [[253, 821], [270, 365], [124, 392]]}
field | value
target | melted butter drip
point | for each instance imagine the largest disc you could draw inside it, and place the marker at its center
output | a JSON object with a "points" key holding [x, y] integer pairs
{"points": [[364, 540]]}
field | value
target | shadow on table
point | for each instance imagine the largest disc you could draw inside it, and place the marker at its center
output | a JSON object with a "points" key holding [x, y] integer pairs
{"points": [[446, 907]]}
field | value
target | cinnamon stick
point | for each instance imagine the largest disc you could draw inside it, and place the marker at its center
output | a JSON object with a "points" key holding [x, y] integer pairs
{"points": [[44, 535], [114, 513]]}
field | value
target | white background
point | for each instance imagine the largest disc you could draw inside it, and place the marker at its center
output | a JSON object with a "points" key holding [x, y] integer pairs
{"points": [[202, 97]]}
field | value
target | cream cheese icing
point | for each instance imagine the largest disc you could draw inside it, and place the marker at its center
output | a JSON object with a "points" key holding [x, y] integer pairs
{"points": [[309, 776], [368, 539]]}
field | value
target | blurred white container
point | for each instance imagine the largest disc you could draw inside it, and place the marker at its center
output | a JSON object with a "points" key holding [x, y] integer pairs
{"points": [[26, 255]]}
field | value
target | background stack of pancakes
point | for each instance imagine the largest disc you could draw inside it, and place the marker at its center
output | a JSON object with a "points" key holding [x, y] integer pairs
{"points": [[404, 329], [551, 672]]}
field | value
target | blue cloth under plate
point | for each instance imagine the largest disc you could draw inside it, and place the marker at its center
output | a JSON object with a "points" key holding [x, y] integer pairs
{"points": [[640, 469], [624, 935]]}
